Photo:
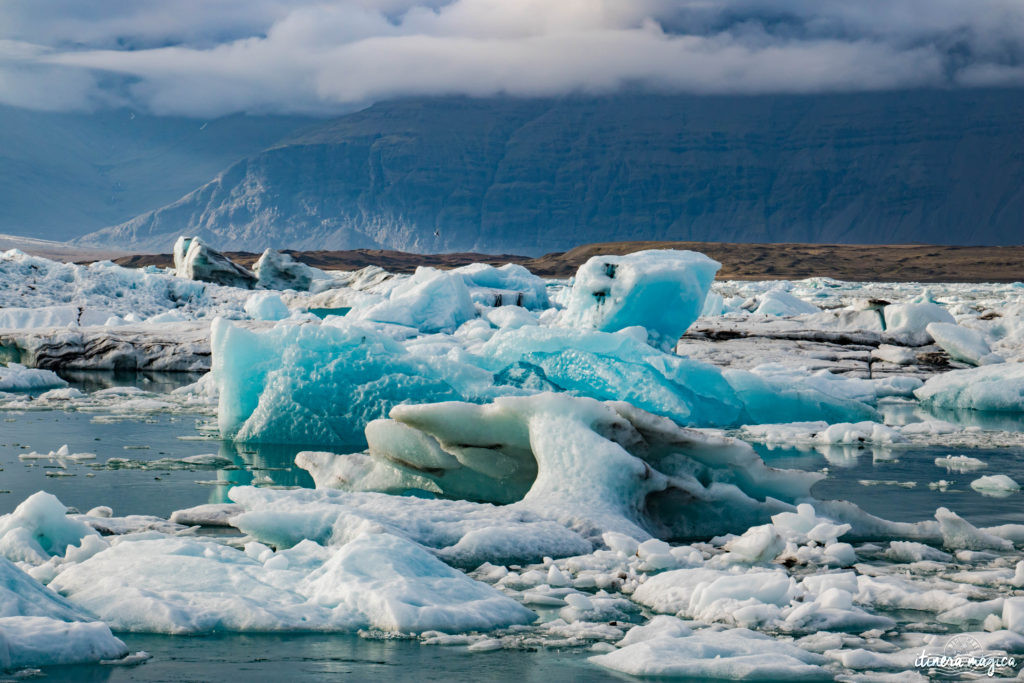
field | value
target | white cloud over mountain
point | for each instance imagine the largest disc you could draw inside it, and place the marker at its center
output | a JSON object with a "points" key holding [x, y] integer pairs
{"points": [[211, 57]]}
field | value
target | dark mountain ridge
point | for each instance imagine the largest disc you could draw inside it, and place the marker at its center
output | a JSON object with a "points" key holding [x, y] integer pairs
{"points": [[540, 175]]}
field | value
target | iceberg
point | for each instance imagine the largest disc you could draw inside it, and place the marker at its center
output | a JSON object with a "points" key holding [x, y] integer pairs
{"points": [[16, 377], [322, 383], [278, 270], [380, 581], [998, 388], [38, 529], [38, 627], [194, 260], [510, 284], [909, 321], [593, 467], [998, 485], [963, 344], [779, 302], [662, 291], [430, 301], [266, 306], [736, 654]]}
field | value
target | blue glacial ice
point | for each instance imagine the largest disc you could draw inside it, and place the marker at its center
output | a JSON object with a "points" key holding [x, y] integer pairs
{"points": [[662, 291], [321, 383]]}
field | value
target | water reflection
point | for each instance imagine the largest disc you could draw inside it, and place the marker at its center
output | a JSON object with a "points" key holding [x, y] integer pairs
{"points": [[259, 465], [157, 382]]}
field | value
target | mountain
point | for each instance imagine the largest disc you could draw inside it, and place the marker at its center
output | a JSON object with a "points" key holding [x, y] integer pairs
{"points": [[63, 175], [538, 175]]}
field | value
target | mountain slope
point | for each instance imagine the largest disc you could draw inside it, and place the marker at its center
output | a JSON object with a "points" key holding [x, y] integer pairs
{"points": [[530, 176], [65, 174]]}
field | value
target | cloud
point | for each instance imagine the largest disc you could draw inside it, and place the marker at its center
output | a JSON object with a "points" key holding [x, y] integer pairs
{"points": [[211, 57]]}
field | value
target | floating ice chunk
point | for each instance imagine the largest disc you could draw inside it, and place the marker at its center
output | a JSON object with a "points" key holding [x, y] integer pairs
{"points": [[16, 377], [897, 355], [430, 301], [194, 260], [42, 519], [712, 595], [178, 585], [620, 543], [960, 463], [166, 317], [661, 290], [930, 427], [1013, 615], [277, 270], [210, 514], [285, 385], [958, 533], [43, 641], [511, 317], [972, 612], [757, 544], [909, 321], [804, 525], [909, 551], [659, 626], [997, 387], [266, 306], [735, 654], [998, 485], [779, 302], [462, 533], [963, 343], [40, 628], [511, 284], [550, 451], [399, 586]]}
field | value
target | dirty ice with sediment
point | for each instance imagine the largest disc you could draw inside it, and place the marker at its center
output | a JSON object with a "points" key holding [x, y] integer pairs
{"points": [[641, 466]]}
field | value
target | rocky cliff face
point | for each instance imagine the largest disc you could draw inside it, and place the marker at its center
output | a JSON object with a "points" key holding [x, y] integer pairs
{"points": [[532, 176]]}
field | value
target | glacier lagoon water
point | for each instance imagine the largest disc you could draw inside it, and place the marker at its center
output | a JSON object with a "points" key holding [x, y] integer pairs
{"points": [[316, 657], [878, 480]]}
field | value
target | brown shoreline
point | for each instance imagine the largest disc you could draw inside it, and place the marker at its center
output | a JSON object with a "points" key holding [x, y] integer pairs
{"points": [[897, 263]]}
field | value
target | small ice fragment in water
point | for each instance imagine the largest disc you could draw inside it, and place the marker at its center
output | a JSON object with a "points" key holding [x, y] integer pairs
{"points": [[996, 485], [959, 463]]}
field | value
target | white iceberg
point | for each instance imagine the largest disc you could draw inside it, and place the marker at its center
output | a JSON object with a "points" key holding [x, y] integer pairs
{"points": [[40, 628], [909, 321], [995, 485], [430, 301], [998, 388], [16, 377], [594, 467], [181, 585], [963, 344], [736, 654], [266, 306], [662, 291], [510, 284], [779, 302]]}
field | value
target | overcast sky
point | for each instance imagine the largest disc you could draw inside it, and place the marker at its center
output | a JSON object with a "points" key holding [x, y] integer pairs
{"points": [[212, 57]]}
